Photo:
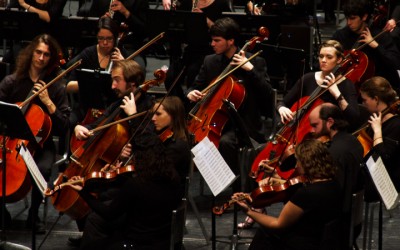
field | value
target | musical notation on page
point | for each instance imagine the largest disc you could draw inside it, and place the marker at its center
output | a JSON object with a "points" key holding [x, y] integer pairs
{"points": [[212, 166]]}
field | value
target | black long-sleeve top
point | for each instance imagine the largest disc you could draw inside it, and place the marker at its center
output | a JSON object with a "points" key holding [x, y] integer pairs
{"points": [[307, 84], [12, 91], [148, 206], [386, 57], [256, 83]]}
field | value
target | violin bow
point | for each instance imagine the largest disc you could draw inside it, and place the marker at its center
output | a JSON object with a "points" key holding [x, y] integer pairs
{"points": [[58, 77], [148, 113]]}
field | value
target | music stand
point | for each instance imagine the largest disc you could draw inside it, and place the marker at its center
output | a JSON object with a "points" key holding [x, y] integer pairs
{"points": [[249, 25], [284, 63], [95, 89], [182, 26], [13, 125], [82, 31], [20, 25]]}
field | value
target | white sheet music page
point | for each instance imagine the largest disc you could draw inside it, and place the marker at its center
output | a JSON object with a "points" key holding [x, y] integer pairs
{"points": [[33, 169], [383, 183], [212, 166]]}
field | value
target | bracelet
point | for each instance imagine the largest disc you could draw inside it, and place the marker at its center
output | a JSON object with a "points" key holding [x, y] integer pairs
{"points": [[340, 97], [377, 138], [27, 10]]}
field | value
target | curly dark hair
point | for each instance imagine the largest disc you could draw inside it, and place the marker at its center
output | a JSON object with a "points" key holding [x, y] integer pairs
{"points": [[330, 110], [357, 8], [150, 159], [315, 160], [24, 58]]}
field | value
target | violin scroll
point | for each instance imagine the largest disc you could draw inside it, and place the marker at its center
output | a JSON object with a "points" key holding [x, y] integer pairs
{"points": [[219, 210]]}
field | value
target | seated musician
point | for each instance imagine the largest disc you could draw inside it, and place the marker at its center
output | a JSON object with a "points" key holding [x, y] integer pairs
{"points": [[147, 199], [37, 65], [170, 125], [377, 96], [391, 23], [382, 51], [127, 75], [340, 92], [253, 75], [48, 10], [192, 56], [95, 57], [301, 222]]}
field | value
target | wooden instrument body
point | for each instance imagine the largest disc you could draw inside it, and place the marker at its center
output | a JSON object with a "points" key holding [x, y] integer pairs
{"points": [[290, 134], [87, 160], [18, 181], [211, 118]]}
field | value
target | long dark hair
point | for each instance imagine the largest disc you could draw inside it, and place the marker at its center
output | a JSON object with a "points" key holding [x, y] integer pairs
{"points": [[24, 58], [174, 107], [150, 159]]}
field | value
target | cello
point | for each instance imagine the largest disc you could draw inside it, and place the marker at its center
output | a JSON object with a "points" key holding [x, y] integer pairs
{"points": [[208, 117], [102, 148], [18, 182], [295, 130]]}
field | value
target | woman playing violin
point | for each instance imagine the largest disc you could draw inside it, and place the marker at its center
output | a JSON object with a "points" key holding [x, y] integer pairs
{"points": [[377, 95], [341, 91], [147, 199], [37, 64], [313, 205]]}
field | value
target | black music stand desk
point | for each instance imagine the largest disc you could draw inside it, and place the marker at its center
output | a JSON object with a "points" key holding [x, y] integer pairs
{"points": [[12, 124]]}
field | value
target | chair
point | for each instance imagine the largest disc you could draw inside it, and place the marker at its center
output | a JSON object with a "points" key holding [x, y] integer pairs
{"points": [[356, 219], [177, 226]]}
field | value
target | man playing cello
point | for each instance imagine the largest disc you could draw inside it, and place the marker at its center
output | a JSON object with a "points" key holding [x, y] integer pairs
{"points": [[252, 75]]}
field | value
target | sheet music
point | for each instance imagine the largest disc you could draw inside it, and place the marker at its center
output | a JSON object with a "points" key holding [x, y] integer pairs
{"points": [[383, 183], [212, 166], [33, 169]]}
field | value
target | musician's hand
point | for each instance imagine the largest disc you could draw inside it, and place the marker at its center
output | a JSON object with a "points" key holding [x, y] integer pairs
{"points": [[166, 4], [126, 151], [129, 105], [116, 55], [77, 187], [376, 123], [120, 7], [390, 25], [44, 95], [366, 37], [240, 58], [195, 95], [286, 114], [81, 132], [330, 83], [238, 197], [271, 181]]}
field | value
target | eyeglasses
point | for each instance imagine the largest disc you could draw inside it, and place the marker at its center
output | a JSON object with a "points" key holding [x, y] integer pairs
{"points": [[39, 52], [105, 38]]}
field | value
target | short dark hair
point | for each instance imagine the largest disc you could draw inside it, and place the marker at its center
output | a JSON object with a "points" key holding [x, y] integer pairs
{"points": [[225, 27], [357, 8], [336, 114]]}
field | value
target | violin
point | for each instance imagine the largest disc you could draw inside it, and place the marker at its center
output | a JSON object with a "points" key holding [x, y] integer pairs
{"points": [[362, 135], [267, 195], [93, 179]]}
